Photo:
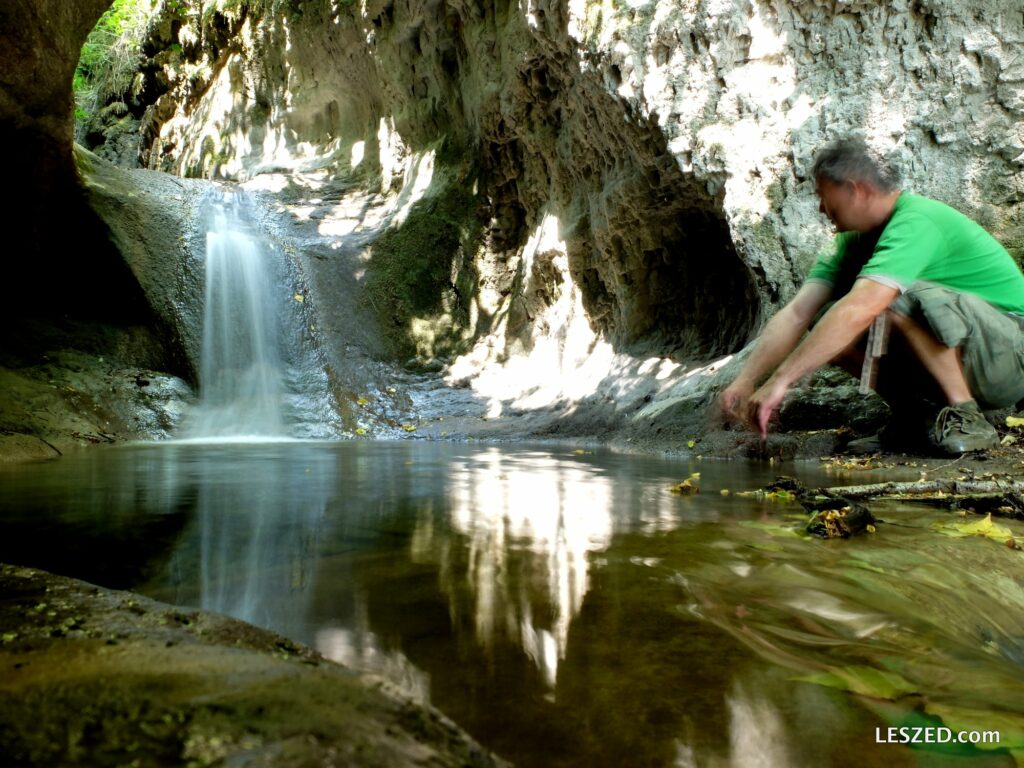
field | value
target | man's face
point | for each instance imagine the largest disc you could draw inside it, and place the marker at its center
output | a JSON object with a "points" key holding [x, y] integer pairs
{"points": [[841, 203]]}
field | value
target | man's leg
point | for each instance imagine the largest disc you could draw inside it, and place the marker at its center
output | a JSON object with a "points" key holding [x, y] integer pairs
{"points": [[942, 362], [971, 350]]}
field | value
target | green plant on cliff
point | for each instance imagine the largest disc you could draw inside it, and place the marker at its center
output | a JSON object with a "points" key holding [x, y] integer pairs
{"points": [[109, 57], [419, 278]]}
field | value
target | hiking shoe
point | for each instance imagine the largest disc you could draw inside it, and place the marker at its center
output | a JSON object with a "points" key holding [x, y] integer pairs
{"points": [[963, 427]]}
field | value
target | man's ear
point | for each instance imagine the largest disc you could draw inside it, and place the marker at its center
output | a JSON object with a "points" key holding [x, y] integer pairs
{"points": [[862, 188]]}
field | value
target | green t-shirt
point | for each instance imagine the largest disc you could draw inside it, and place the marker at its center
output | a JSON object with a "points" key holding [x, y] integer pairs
{"points": [[925, 240]]}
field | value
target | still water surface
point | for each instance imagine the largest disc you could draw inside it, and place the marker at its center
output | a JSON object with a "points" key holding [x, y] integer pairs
{"points": [[564, 608]]}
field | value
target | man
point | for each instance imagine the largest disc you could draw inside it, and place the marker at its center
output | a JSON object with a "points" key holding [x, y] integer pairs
{"points": [[953, 295]]}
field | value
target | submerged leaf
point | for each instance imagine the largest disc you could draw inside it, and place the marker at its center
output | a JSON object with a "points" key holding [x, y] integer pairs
{"points": [[866, 681], [1009, 726], [774, 529]]}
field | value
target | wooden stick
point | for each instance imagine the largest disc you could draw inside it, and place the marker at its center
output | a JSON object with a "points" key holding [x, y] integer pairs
{"points": [[921, 487], [877, 345]]}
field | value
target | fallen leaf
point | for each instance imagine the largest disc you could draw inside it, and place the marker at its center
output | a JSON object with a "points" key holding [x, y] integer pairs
{"points": [[1014, 421], [685, 488], [689, 486], [984, 527], [299, 297], [866, 681]]}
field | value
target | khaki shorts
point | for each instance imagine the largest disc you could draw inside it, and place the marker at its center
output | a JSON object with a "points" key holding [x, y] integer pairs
{"points": [[991, 341]]}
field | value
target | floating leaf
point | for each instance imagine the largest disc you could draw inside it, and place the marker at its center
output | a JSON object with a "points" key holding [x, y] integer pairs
{"points": [[984, 527], [866, 681], [687, 487], [724, 492]]}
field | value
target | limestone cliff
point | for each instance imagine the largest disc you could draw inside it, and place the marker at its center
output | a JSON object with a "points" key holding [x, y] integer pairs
{"points": [[616, 190], [638, 170]]}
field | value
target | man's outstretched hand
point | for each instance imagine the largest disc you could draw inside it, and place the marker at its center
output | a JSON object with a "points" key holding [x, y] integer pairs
{"points": [[735, 401], [763, 403], [740, 402]]}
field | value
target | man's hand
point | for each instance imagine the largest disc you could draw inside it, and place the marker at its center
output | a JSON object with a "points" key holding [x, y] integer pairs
{"points": [[734, 400], [763, 402]]}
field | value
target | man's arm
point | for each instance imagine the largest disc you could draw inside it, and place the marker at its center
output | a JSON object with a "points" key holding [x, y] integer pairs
{"points": [[778, 339], [841, 326]]}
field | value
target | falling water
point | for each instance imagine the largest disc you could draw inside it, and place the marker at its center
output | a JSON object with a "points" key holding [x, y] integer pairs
{"points": [[241, 374]]}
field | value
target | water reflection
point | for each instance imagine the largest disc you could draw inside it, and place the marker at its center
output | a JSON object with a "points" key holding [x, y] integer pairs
{"points": [[564, 608], [531, 523], [252, 547]]}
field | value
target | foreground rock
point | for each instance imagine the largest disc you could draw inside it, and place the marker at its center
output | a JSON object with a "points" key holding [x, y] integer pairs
{"points": [[93, 677]]}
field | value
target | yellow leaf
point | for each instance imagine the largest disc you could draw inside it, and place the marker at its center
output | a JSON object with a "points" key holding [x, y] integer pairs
{"points": [[984, 527], [362, 401], [691, 443], [724, 492], [409, 427], [688, 486], [1014, 421], [867, 681], [360, 431], [299, 298]]}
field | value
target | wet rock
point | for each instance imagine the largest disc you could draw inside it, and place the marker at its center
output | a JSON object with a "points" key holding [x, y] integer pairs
{"points": [[94, 677]]}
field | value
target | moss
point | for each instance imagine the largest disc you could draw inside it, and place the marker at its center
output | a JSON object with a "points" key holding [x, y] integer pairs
{"points": [[420, 275]]}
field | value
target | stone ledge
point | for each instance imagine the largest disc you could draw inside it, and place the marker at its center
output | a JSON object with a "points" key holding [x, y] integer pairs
{"points": [[91, 677]]}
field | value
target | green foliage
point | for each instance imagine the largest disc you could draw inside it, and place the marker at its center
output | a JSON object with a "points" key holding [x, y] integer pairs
{"points": [[109, 56]]}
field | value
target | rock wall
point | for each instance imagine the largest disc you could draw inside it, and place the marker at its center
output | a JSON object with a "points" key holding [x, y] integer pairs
{"points": [[62, 269], [668, 143], [636, 173]]}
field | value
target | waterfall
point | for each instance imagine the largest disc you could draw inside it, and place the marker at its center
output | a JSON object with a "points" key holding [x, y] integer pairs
{"points": [[240, 372]]}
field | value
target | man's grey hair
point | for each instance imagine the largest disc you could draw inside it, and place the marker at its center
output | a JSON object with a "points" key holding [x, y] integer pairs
{"points": [[852, 160]]}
